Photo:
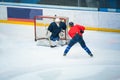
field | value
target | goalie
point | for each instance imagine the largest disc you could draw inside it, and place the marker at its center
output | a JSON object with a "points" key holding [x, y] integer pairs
{"points": [[55, 28]]}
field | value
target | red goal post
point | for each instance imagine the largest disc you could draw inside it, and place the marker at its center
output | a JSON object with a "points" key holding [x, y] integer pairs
{"points": [[41, 24]]}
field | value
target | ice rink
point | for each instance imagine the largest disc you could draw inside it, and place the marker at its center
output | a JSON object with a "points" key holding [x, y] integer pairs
{"points": [[22, 59]]}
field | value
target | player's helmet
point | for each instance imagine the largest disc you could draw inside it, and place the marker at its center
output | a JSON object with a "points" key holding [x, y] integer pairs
{"points": [[71, 23]]}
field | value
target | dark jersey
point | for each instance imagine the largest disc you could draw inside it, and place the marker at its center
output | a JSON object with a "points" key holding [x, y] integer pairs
{"points": [[55, 29]]}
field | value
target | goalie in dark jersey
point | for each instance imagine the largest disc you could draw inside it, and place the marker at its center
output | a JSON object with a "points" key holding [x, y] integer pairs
{"points": [[55, 28]]}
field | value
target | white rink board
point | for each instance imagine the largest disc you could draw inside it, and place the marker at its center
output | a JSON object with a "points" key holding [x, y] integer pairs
{"points": [[75, 14]]}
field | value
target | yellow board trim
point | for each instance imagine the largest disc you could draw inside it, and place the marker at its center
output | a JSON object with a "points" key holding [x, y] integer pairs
{"points": [[103, 29], [16, 22], [42, 24]]}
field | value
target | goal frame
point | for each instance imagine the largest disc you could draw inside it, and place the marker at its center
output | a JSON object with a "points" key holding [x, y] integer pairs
{"points": [[66, 19]]}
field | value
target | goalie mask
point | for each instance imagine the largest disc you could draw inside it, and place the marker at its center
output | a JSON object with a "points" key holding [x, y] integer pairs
{"points": [[57, 20]]}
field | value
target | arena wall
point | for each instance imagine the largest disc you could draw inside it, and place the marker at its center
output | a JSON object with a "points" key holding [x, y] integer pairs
{"points": [[17, 13]]}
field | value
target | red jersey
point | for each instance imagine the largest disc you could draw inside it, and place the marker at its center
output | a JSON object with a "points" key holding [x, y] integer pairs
{"points": [[76, 29]]}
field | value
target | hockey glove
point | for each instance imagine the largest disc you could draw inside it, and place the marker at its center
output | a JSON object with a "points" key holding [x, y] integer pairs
{"points": [[81, 31]]}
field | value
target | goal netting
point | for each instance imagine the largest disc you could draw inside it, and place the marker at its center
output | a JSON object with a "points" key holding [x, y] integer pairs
{"points": [[41, 24]]}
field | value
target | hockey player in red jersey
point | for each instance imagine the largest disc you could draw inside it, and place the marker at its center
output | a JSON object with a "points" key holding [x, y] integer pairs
{"points": [[75, 33]]}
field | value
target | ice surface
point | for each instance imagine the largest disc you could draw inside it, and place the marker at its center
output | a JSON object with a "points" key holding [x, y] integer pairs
{"points": [[22, 59]]}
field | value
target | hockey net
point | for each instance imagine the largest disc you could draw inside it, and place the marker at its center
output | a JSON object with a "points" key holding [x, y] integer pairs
{"points": [[41, 24]]}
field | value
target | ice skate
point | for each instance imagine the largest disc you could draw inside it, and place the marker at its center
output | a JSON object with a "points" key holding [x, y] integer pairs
{"points": [[91, 55]]}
